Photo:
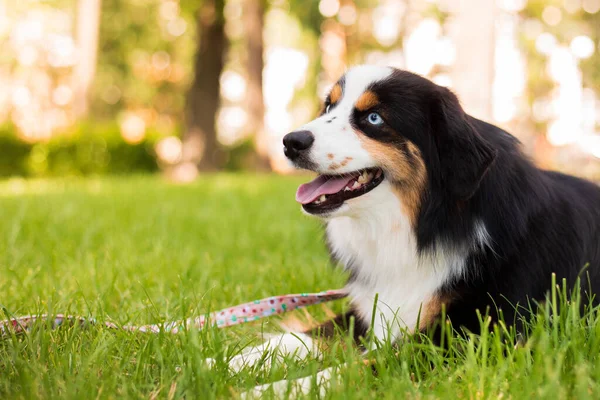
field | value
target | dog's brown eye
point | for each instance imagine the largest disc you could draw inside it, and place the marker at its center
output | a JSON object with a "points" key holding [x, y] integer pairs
{"points": [[327, 108]]}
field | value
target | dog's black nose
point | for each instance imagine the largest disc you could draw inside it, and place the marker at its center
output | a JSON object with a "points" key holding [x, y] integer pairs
{"points": [[295, 142]]}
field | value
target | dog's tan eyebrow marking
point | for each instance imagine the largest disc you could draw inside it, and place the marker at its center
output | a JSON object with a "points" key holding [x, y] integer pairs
{"points": [[336, 94], [366, 100]]}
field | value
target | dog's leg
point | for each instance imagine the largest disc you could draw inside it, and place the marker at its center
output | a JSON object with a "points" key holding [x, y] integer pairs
{"points": [[297, 345], [295, 387], [344, 322], [303, 386]]}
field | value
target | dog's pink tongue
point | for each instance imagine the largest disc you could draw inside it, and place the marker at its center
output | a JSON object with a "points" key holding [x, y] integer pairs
{"points": [[309, 192]]}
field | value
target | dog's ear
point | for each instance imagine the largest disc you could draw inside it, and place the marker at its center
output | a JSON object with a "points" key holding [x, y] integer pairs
{"points": [[464, 155]]}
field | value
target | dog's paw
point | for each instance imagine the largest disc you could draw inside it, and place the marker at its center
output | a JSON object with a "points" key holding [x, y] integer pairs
{"points": [[210, 362], [298, 346], [293, 388]]}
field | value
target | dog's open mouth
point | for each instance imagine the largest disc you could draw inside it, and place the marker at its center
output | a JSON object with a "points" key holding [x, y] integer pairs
{"points": [[328, 192]]}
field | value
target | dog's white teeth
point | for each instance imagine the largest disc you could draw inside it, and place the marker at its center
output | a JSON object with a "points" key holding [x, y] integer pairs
{"points": [[356, 185], [347, 189], [365, 177], [320, 199]]}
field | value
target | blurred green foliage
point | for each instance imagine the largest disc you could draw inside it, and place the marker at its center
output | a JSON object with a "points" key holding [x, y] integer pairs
{"points": [[89, 149], [14, 152], [144, 54], [571, 24]]}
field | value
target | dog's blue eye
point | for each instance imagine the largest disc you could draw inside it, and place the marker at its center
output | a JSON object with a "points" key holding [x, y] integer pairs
{"points": [[375, 119]]}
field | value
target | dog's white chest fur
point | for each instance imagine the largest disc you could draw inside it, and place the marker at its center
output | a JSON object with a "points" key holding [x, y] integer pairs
{"points": [[378, 244]]}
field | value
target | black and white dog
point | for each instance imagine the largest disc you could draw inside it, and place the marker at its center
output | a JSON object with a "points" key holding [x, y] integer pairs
{"points": [[428, 207]]}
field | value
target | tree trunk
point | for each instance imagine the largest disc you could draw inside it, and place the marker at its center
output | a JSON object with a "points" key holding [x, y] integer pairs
{"points": [[474, 19], [200, 144], [254, 20], [88, 23]]}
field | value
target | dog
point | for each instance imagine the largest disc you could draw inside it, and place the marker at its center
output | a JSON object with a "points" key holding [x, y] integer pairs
{"points": [[430, 209]]}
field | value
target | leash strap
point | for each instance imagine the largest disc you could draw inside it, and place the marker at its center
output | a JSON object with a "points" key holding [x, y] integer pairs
{"points": [[235, 315]]}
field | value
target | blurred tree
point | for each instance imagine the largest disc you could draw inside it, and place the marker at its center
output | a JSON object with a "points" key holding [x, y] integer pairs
{"points": [[88, 21], [144, 57], [201, 146], [475, 88], [254, 21], [564, 20], [555, 34]]}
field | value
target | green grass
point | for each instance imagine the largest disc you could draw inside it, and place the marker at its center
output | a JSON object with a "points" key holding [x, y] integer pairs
{"points": [[140, 250]]}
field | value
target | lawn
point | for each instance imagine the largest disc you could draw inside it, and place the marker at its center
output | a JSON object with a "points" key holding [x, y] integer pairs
{"points": [[141, 250]]}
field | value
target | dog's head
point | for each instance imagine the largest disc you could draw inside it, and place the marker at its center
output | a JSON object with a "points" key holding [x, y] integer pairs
{"points": [[382, 125]]}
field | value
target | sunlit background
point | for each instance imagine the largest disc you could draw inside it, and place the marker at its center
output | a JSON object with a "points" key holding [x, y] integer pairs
{"points": [[119, 86]]}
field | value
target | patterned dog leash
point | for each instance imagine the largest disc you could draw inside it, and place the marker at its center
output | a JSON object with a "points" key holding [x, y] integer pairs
{"points": [[235, 315]]}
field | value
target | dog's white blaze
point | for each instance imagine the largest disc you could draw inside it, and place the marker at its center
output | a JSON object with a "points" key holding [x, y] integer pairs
{"points": [[337, 137], [376, 239]]}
